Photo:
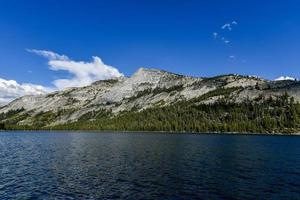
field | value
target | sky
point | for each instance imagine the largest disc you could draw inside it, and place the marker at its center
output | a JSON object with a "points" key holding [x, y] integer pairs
{"points": [[54, 44]]}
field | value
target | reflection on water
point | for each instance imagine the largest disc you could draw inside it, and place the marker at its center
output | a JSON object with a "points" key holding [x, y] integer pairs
{"points": [[62, 165]]}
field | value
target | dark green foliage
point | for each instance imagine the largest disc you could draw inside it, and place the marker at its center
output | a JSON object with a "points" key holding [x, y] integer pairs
{"points": [[109, 81], [2, 126], [273, 115], [10, 114], [72, 101], [218, 77], [156, 91], [51, 95], [95, 115], [265, 115], [11, 117], [217, 92], [44, 118], [140, 94]]}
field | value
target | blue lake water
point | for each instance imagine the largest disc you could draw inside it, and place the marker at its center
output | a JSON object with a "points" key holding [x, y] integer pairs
{"points": [[79, 165]]}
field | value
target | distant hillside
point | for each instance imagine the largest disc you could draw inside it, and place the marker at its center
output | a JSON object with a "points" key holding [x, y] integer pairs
{"points": [[156, 100]]}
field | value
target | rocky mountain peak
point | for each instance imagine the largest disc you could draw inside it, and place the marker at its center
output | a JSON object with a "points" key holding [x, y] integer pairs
{"points": [[146, 88], [143, 70], [146, 72], [149, 75]]}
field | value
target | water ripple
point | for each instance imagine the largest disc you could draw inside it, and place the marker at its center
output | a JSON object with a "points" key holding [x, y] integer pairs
{"points": [[62, 165]]}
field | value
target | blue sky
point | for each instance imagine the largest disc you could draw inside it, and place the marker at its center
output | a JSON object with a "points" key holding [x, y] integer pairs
{"points": [[172, 35]]}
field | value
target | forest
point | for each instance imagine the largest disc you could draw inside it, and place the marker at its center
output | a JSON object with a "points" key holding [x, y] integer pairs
{"points": [[263, 115]]}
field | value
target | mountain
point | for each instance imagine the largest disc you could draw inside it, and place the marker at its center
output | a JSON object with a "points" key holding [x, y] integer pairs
{"points": [[156, 94]]}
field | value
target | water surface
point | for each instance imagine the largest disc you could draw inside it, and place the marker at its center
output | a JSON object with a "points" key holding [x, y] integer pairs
{"points": [[78, 165]]}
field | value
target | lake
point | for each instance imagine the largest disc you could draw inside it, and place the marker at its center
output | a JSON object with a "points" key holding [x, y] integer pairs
{"points": [[90, 165]]}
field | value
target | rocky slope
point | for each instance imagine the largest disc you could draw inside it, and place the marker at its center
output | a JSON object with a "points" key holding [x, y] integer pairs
{"points": [[145, 89]]}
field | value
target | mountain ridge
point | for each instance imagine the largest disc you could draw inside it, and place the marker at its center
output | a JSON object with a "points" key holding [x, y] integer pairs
{"points": [[147, 88]]}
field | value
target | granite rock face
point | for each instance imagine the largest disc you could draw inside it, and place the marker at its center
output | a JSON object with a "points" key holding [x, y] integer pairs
{"points": [[147, 88]]}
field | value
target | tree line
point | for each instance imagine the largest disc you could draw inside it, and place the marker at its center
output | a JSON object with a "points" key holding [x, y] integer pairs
{"points": [[263, 115]]}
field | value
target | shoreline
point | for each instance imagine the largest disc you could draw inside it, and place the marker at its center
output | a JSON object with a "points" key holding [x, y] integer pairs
{"points": [[163, 132]]}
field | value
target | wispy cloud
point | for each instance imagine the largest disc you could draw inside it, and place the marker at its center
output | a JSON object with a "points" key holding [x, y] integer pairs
{"points": [[229, 26], [225, 40], [48, 54], [285, 78], [84, 73], [220, 34], [215, 35], [10, 90]]}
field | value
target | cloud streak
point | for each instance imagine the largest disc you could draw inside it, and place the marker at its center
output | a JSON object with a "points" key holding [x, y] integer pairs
{"points": [[48, 54], [215, 34], [228, 26], [83, 73], [285, 78], [10, 90], [225, 27]]}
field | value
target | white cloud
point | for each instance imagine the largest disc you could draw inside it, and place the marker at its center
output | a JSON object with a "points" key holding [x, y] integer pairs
{"points": [[232, 57], [215, 34], [225, 40], [228, 26], [10, 90], [84, 73], [48, 54], [285, 78]]}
